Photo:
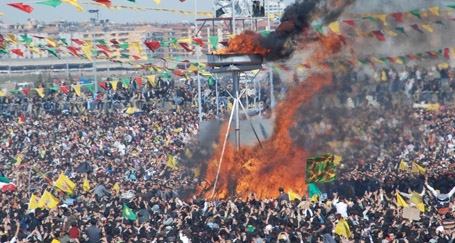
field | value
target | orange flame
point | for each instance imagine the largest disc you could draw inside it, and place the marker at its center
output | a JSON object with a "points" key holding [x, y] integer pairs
{"points": [[246, 42], [279, 163]]}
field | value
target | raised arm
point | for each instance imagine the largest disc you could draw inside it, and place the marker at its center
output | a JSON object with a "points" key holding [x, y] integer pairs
{"points": [[431, 189], [451, 192]]}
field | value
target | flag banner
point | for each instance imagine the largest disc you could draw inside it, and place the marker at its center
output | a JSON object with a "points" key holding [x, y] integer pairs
{"points": [[342, 228], [65, 184], [401, 202], [416, 168], [48, 200], [320, 168], [128, 213]]}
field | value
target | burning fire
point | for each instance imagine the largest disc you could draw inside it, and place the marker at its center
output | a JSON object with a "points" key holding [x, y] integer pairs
{"points": [[246, 42], [279, 163]]}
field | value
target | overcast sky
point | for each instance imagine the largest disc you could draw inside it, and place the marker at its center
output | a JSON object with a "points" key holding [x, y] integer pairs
{"points": [[69, 13]]}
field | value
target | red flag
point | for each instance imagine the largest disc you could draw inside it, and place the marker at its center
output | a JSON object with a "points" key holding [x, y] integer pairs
{"points": [[22, 117], [152, 45], [224, 43], [37, 37], [432, 55], [103, 85], [391, 59], [138, 81], [24, 7], [416, 27], [104, 2], [379, 35], [349, 22], [64, 89], [413, 57], [104, 47], [351, 62], [17, 52], [398, 16], [104, 52], [78, 41], [114, 41], [185, 46], [136, 57], [447, 53], [73, 50], [178, 73], [199, 41], [307, 65], [182, 1], [26, 90]]}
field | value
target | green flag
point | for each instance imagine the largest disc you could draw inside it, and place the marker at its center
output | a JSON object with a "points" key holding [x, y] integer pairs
{"points": [[126, 82], [4, 179], [123, 45], [320, 168], [26, 39], [318, 27], [265, 32], [165, 74], [415, 12], [55, 88], [214, 41], [313, 190], [52, 3], [90, 87], [370, 18], [14, 91], [401, 29], [128, 213], [63, 40]]}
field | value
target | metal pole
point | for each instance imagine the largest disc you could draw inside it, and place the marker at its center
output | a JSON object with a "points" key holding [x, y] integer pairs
{"points": [[199, 89], [233, 17], [235, 78], [217, 98], [272, 94]]}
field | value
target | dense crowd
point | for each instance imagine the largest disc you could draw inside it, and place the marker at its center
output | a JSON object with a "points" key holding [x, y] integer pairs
{"points": [[134, 164]]}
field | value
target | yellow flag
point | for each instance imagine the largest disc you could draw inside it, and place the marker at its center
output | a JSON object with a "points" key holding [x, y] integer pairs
{"points": [[114, 84], [40, 92], [136, 47], [434, 10], [151, 79], [337, 159], [172, 162], [48, 200], [178, 130], [2, 94], [87, 52], [383, 76], [12, 38], [75, 3], [36, 50], [390, 32], [34, 202], [382, 17], [416, 199], [416, 168], [77, 89], [293, 195], [116, 188], [427, 27], [401, 202], [65, 184], [398, 60], [86, 185], [18, 160], [403, 165], [335, 27], [192, 68], [130, 110], [50, 41], [55, 241], [342, 228], [433, 107], [314, 198]]}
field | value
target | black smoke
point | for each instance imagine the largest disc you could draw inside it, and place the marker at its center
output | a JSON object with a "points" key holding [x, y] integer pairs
{"points": [[296, 19]]}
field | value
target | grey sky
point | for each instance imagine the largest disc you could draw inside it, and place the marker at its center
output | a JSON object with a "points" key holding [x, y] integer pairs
{"points": [[68, 12]]}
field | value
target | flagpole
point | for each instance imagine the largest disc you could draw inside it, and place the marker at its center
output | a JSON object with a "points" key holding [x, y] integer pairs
{"points": [[199, 91], [29, 179]]}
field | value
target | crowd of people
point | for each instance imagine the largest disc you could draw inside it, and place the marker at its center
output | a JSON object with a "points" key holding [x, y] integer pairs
{"points": [[132, 183]]}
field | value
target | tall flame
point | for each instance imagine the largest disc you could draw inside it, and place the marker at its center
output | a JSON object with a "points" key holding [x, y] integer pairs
{"points": [[279, 163], [246, 42]]}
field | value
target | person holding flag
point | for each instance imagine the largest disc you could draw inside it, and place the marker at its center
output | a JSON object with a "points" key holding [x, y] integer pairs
{"points": [[442, 199]]}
